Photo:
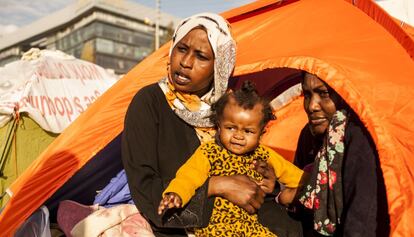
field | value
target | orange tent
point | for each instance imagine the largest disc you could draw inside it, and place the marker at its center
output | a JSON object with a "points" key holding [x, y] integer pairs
{"points": [[356, 47]]}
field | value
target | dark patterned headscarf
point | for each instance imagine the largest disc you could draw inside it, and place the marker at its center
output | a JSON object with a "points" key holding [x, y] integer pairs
{"points": [[323, 193]]}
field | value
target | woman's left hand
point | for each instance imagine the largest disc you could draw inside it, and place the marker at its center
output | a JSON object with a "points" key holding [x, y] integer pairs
{"points": [[269, 178]]}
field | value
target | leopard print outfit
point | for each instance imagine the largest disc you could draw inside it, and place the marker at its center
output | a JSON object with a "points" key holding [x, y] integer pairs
{"points": [[227, 218]]}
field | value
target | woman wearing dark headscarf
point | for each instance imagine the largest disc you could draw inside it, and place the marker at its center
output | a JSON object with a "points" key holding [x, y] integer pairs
{"points": [[346, 191], [166, 122]]}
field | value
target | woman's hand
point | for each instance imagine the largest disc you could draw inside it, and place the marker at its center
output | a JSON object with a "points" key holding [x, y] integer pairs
{"points": [[170, 200], [269, 177], [238, 189], [287, 196]]}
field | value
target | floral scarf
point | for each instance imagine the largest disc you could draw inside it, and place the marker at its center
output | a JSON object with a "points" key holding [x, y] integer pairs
{"points": [[323, 193], [195, 107], [192, 109]]}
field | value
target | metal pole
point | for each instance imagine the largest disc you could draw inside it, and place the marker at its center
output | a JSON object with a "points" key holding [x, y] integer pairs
{"points": [[157, 25]]}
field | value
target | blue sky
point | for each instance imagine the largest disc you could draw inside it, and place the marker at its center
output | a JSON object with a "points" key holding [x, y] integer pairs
{"points": [[14, 14]]}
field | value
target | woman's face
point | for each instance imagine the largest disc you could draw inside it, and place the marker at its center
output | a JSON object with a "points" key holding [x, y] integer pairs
{"points": [[318, 104], [192, 63]]}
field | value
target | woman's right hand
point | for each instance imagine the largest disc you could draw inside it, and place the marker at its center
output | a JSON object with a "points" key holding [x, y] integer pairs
{"points": [[238, 189]]}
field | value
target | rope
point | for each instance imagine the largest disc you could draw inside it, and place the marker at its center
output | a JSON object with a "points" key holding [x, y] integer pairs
{"points": [[14, 153]]}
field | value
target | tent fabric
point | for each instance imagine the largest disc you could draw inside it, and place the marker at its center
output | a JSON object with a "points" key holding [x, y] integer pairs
{"points": [[382, 17], [51, 86], [276, 136], [17, 149], [407, 28], [355, 52]]}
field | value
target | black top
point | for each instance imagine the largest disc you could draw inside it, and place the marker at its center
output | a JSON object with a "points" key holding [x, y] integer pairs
{"points": [[155, 144], [365, 209]]}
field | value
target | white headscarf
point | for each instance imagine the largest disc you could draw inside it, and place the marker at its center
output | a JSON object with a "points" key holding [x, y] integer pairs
{"points": [[224, 49]]}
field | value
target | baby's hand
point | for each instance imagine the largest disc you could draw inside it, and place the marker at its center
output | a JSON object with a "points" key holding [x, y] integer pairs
{"points": [[269, 177], [170, 200]]}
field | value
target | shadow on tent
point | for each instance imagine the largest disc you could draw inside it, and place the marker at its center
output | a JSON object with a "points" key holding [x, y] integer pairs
{"points": [[92, 177]]}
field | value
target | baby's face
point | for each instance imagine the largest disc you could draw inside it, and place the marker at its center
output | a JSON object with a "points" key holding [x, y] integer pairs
{"points": [[239, 129]]}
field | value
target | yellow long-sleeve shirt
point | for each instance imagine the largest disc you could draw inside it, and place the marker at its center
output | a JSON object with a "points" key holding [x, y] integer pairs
{"points": [[206, 162], [211, 159]]}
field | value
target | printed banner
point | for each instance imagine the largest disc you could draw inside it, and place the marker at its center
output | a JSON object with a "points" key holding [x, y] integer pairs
{"points": [[52, 87]]}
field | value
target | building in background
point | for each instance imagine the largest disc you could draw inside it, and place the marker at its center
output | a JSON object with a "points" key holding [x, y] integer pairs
{"points": [[114, 34]]}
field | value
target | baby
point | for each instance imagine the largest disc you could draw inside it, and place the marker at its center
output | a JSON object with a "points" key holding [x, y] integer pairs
{"points": [[240, 117]]}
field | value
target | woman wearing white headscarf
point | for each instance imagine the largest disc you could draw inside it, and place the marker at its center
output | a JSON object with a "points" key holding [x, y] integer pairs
{"points": [[166, 122]]}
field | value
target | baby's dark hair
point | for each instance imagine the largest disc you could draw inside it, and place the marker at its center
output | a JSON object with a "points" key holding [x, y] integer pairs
{"points": [[246, 97]]}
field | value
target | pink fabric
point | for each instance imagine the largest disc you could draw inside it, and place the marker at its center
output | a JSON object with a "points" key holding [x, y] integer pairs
{"points": [[134, 225], [70, 213], [118, 221]]}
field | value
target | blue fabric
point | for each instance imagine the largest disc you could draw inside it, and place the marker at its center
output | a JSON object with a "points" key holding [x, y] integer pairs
{"points": [[115, 193]]}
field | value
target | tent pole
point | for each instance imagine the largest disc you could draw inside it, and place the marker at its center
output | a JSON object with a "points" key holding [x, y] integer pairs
{"points": [[9, 137]]}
